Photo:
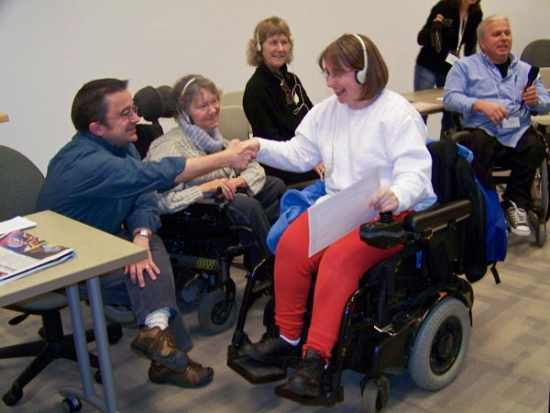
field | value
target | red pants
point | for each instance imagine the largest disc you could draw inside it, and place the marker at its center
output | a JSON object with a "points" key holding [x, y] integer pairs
{"points": [[339, 269]]}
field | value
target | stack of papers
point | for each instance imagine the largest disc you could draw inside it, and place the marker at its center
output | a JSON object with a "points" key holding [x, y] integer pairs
{"points": [[15, 224], [22, 253]]}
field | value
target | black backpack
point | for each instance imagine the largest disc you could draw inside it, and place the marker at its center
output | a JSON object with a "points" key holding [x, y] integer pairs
{"points": [[456, 180]]}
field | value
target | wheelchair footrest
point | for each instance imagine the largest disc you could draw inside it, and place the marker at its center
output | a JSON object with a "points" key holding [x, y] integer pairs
{"points": [[254, 371], [327, 398]]}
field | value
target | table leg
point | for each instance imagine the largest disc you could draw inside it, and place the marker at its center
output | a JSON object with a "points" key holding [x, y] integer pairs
{"points": [[102, 342], [87, 393]]}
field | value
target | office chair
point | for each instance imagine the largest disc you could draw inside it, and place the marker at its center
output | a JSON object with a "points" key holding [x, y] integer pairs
{"points": [[537, 53], [545, 76], [234, 98], [232, 117], [233, 123], [21, 181]]}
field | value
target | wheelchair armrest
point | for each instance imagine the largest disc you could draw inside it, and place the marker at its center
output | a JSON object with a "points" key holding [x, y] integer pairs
{"points": [[205, 209], [433, 219], [458, 136], [301, 185], [206, 203], [423, 223], [383, 233]]}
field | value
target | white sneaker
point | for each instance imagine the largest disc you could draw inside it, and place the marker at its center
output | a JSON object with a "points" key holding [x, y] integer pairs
{"points": [[517, 219]]}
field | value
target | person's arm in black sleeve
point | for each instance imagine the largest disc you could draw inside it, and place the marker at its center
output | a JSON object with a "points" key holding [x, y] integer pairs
{"points": [[424, 35]]}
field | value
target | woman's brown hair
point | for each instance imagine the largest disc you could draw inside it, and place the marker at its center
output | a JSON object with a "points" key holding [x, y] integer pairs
{"points": [[346, 53], [264, 29]]}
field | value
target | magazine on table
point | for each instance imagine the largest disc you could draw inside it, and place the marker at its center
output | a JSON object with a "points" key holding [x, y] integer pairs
{"points": [[22, 254]]}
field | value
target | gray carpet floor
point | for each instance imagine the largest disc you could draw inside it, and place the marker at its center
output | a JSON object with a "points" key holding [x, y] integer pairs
{"points": [[507, 368]]}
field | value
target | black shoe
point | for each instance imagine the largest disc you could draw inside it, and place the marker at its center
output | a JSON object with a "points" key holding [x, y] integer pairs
{"points": [[268, 350], [308, 377]]}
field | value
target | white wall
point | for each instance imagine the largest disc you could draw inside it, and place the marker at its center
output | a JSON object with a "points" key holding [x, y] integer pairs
{"points": [[50, 48]]}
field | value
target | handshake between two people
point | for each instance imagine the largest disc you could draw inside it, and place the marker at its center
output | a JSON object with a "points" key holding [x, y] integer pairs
{"points": [[241, 153], [384, 200]]}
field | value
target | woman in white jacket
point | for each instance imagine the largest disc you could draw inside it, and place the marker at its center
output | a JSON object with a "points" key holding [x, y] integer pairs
{"points": [[362, 129]]}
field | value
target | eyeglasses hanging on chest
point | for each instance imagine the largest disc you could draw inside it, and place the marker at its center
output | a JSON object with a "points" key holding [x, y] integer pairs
{"points": [[288, 92]]}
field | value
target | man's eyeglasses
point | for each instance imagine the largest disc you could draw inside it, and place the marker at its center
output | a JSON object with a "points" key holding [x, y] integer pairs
{"points": [[128, 113]]}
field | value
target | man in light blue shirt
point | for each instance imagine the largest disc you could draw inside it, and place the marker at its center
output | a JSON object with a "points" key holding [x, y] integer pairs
{"points": [[489, 91]]}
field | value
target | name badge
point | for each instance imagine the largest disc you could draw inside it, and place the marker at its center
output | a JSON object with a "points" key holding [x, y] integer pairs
{"points": [[510, 123], [451, 58]]}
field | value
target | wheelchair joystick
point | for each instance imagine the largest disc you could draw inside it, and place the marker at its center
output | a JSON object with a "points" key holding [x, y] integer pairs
{"points": [[386, 232], [386, 217]]}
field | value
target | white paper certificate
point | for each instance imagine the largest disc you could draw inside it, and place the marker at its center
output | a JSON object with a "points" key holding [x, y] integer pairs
{"points": [[340, 214]]}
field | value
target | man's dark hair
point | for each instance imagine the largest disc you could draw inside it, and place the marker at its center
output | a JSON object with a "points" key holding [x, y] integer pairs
{"points": [[89, 104]]}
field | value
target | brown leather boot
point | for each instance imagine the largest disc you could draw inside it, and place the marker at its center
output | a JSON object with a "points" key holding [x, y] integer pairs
{"points": [[195, 375], [158, 345]]}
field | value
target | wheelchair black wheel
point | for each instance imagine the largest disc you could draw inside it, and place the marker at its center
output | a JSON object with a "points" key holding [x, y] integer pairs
{"points": [[540, 233], [538, 214], [215, 314], [374, 395], [539, 193], [441, 345], [544, 192]]}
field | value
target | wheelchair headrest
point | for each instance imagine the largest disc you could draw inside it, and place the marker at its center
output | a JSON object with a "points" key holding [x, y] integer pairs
{"points": [[154, 103]]}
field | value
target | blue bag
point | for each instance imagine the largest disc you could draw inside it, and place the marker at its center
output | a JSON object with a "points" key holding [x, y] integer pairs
{"points": [[496, 230]]}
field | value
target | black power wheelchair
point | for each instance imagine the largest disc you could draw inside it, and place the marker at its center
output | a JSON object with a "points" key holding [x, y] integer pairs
{"points": [[539, 210], [411, 311], [200, 240], [202, 245]]}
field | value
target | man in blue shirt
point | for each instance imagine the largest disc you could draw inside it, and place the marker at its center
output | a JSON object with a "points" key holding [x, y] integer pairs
{"points": [[489, 90], [98, 178]]}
